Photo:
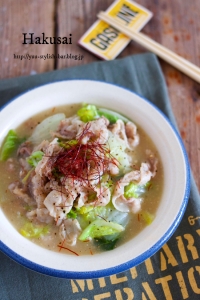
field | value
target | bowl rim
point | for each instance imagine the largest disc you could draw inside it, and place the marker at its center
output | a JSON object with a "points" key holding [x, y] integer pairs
{"points": [[137, 260]]}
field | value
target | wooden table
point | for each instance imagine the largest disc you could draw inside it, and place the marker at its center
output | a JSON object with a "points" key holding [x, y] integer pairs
{"points": [[176, 25]]}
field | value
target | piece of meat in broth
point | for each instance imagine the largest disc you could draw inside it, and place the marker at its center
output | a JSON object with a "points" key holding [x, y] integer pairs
{"points": [[21, 193], [141, 176], [126, 132], [41, 215], [58, 205], [77, 191], [37, 188], [24, 149], [118, 199], [69, 128], [152, 161], [69, 231], [42, 146], [118, 129], [132, 135], [44, 166], [103, 195], [96, 128]]}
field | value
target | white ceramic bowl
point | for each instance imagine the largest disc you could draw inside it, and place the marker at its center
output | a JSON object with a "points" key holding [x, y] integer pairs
{"points": [[176, 180]]}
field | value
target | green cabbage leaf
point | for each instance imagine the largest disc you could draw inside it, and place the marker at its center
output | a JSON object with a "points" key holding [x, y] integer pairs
{"points": [[135, 190], [87, 113], [112, 116], [99, 228], [34, 158], [29, 230], [11, 143], [147, 217]]}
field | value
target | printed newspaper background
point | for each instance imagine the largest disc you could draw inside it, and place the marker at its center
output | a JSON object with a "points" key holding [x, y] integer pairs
{"points": [[172, 273]]}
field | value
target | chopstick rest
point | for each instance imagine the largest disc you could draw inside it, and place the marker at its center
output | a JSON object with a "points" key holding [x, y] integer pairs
{"points": [[167, 55]]}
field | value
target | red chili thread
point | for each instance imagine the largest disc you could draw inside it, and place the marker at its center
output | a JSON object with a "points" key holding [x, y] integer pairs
{"points": [[83, 162], [62, 247]]}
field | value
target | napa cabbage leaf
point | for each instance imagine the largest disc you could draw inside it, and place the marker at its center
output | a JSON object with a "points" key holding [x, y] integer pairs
{"points": [[99, 228], [11, 142], [43, 130], [34, 158], [29, 230], [87, 112]]}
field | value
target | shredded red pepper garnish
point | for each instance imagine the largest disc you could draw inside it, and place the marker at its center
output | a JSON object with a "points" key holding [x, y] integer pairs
{"points": [[62, 247], [85, 163]]}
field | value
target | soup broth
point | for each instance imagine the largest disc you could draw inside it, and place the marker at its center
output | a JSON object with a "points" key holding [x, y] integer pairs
{"points": [[49, 236]]}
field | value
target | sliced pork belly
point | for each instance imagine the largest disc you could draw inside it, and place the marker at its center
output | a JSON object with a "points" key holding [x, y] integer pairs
{"points": [[69, 231], [127, 132], [96, 128], [69, 128], [141, 176]]}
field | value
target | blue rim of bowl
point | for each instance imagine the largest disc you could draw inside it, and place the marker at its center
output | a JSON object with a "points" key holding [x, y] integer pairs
{"points": [[131, 263]]}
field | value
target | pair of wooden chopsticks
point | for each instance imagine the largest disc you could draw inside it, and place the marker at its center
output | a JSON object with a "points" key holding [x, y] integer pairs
{"points": [[169, 56]]}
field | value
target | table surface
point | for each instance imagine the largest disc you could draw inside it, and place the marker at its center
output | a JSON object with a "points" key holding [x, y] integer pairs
{"points": [[175, 24]]}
